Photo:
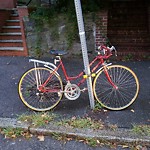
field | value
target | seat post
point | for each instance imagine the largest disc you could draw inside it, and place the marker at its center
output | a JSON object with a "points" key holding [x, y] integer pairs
{"points": [[57, 59]]}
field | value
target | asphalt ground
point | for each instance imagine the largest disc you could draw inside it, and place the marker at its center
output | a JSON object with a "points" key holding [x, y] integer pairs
{"points": [[12, 68]]}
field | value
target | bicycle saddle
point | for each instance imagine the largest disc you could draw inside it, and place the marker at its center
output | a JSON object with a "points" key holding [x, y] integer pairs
{"points": [[58, 52]]}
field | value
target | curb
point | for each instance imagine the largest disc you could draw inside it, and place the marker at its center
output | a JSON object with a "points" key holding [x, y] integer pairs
{"points": [[119, 135]]}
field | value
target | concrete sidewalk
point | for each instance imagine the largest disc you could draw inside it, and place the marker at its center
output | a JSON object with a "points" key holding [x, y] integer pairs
{"points": [[119, 135]]}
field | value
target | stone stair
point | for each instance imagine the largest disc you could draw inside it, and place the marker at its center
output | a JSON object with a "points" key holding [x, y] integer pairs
{"points": [[128, 28], [11, 35]]}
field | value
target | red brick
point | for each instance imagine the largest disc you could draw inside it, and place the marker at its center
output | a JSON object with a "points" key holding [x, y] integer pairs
{"points": [[7, 4]]}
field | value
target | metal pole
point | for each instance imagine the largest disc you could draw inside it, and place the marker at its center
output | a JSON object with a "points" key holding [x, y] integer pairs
{"points": [[84, 50]]}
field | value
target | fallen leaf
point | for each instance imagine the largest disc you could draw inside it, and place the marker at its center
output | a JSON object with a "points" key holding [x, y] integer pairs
{"points": [[44, 115], [132, 110], [46, 121], [138, 147], [13, 136], [41, 138], [125, 146], [73, 118], [69, 139], [98, 141], [81, 140]]}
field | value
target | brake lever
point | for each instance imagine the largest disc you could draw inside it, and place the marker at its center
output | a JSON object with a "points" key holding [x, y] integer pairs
{"points": [[115, 51], [113, 48]]}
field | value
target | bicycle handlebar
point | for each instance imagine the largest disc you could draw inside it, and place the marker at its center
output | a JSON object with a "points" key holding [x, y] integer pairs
{"points": [[103, 50]]}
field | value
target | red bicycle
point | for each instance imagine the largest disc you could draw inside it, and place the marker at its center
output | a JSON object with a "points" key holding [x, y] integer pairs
{"points": [[114, 86]]}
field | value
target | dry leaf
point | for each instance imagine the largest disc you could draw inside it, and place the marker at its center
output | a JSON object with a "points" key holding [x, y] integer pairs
{"points": [[98, 141], [41, 138], [73, 118], [46, 121], [13, 136], [69, 139], [125, 146], [81, 140], [138, 147], [132, 110], [44, 115]]}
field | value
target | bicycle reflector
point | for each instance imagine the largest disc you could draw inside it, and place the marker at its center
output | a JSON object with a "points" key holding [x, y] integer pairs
{"points": [[93, 74], [86, 76]]}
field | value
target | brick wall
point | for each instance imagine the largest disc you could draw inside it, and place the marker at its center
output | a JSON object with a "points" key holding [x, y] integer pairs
{"points": [[7, 4], [101, 27]]}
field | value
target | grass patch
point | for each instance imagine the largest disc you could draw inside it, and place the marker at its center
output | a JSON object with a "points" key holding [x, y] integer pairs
{"points": [[141, 130], [37, 119], [98, 106], [15, 133], [81, 123]]}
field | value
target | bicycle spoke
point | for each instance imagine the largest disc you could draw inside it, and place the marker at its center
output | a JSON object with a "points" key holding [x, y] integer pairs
{"points": [[29, 90], [124, 95]]}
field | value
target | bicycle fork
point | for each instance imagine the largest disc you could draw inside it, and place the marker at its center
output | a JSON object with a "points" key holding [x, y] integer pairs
{"points": [[109, 78]]}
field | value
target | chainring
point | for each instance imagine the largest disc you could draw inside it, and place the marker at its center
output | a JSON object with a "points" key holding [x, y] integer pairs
{"points": [[72, 91]]}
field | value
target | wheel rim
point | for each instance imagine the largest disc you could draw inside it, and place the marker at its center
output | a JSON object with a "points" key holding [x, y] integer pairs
{"points": [[124, 95]]}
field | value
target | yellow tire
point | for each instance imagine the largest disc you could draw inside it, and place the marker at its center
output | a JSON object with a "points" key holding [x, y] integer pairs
{"points": [[35, 99], [116, 98]]}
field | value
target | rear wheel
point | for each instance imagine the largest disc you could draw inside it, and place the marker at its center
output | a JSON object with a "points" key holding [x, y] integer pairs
{"points": [[29, 91], [116, 98]]}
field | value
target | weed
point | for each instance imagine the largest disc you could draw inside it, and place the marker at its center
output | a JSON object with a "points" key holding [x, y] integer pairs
{"points": [[15, 133], [141, 129], [92, 142], [58, 136], [82, 123], [98, 107], [12, 133], [128, 57], [37, 119]]}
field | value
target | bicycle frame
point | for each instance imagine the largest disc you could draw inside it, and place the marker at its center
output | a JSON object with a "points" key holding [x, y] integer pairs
{"points": [[54, 69]]}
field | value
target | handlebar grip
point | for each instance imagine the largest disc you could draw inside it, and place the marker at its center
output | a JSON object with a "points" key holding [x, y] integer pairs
{"points": [[107, 50]]}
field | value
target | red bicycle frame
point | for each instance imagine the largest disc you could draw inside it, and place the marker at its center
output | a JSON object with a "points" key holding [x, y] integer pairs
{"points": [[98, 58]]}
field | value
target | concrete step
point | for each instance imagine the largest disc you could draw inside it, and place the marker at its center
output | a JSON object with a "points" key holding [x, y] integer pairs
{"points": [[11, 27], [12, 20], [14, 15], [12, 23], [11, 33], [11, 43], [7, 29], [11, 48]]}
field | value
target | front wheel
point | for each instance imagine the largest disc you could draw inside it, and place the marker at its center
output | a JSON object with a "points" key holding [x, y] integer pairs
{"points": [[36, 99], [116, 98]]}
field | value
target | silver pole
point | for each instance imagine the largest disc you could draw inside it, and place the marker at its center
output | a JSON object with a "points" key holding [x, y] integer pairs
{"points": [[84, 50]]}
